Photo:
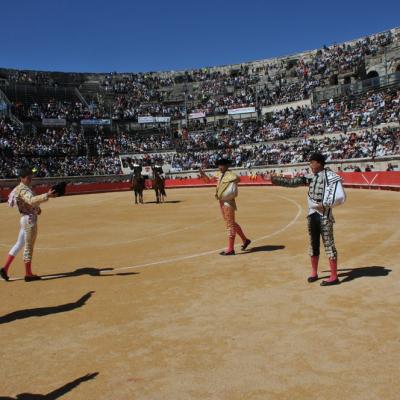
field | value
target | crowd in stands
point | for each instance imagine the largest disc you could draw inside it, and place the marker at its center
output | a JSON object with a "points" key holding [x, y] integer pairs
{"points": [[371, 143], [69, 110], [129, 108], [285, 136], [51, 142], [368, 144], [64, 152], [124, 143], [54, 152], [343, 58], [216, 90], [296, 81], [341, 115], [128, 83], [29, 77], [328, 117], [62, 166]]}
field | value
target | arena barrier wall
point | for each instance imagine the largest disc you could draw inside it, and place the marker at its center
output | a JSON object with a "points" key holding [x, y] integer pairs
{"points": [[389, 180], [383, 180]]}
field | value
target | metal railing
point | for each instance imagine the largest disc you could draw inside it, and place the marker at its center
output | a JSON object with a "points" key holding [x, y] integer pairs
{"points": [[4, 105], [80, 97], [5, 110]]}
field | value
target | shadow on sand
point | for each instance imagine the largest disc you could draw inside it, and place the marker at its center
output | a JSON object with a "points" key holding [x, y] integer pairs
{"points": [[164, 202], [350, 274], [55, 394], [43, 311], [90, 271], [263, 248]]}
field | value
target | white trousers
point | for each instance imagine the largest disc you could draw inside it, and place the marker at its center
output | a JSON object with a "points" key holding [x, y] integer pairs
{"points": [[26, 237]]}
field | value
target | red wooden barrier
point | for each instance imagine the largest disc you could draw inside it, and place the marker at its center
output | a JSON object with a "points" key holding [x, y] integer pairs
{"points": [[368, 180], [373, 180]]}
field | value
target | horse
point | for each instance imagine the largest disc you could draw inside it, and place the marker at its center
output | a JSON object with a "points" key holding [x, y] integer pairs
{"points": [[138, 182], [159, 185]]}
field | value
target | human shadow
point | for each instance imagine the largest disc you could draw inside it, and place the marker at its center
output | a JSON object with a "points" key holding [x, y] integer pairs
{"points": [[263, 248], [91, 271], [43, 311], [361, 272], [164, 202], [55, 394]]}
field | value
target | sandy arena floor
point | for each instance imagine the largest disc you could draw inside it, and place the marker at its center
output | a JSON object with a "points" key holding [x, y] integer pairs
{"points": [[138, 298]]}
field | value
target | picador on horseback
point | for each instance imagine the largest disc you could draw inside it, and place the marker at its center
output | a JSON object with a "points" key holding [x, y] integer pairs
{"points": [[138, 182], [159, 181]]}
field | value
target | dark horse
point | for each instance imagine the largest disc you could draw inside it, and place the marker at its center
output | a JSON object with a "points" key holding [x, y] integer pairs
{"points": [[159, 184], [138, 183]]}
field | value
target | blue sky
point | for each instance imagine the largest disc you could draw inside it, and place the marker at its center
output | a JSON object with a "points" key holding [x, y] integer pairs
{"points": [[121, 35]]}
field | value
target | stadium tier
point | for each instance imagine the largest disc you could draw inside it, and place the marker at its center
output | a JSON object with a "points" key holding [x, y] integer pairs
{"points": [[343, 100]]}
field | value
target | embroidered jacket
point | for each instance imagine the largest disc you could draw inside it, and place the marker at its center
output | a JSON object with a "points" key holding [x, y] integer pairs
{"points": [[23, 197], [326, 189]]}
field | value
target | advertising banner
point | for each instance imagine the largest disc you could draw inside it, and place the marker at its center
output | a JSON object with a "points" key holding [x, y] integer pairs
{"points": [[54, 122], [197, 115], [244, 110], [96, 122]]}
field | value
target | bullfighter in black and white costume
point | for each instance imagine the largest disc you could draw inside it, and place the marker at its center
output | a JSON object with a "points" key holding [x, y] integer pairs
{"points": [[325, 192]]}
